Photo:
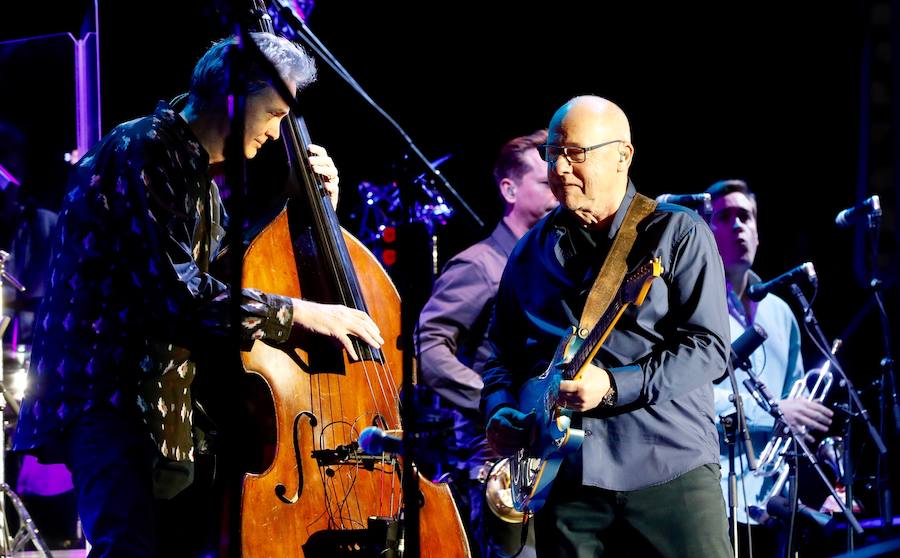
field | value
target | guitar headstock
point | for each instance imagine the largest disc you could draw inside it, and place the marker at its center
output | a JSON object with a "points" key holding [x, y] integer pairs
{"points": [[637, 282]]}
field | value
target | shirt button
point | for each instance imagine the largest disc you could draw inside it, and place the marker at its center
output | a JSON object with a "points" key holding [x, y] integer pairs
{"points": [[588, 433]]}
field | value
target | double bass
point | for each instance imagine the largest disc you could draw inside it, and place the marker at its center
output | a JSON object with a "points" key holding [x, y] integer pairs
{"points": [[319, 494]]}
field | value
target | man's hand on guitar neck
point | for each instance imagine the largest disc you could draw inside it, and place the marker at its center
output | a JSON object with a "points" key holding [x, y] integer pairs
{"points": [[586, 391], [509, 430]]}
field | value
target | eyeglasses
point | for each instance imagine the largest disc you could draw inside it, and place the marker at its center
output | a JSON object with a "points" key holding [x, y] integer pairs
{"points": [[573, 154]]}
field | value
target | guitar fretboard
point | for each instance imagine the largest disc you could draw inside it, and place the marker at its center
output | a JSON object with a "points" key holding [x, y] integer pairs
{"points": [[593, 339], [626, 294]]}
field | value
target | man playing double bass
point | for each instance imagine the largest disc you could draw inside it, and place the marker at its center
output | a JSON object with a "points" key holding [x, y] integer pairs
{"points": [[646, 480], [130, 297]]}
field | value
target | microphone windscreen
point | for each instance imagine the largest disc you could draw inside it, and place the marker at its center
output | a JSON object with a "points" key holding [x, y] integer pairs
{"points": [[371, 440], [748, 342]]}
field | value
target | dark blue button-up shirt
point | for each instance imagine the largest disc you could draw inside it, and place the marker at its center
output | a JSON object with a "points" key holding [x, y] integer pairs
{"points": [[662, 355]]}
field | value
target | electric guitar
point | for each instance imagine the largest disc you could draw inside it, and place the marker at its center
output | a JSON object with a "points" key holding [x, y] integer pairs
{"points": [[533, 469]]}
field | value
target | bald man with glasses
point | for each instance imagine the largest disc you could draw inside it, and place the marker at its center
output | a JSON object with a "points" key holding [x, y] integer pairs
{"points": [[646, 479]]}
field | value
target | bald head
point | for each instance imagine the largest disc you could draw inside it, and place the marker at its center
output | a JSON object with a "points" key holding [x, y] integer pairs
{"points": [[593, 115], [591, 186]]}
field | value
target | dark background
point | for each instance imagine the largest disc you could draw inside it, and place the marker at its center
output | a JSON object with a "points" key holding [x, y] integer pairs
{"points": [[795, 98]]}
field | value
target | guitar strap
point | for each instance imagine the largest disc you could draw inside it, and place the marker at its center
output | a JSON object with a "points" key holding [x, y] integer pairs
{"points": [[614, 266]]}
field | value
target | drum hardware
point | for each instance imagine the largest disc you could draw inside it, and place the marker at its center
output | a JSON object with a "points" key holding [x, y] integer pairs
{"points": [[15, 375], [27, 530]]}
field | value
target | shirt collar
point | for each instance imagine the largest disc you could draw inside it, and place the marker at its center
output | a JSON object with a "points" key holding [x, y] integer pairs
{"points": [[504, 238], [630, 192], [574, 238], [166, 113], [745, 314], [561, 217]]}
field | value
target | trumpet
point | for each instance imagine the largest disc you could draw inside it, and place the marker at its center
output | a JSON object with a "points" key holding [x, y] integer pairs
{"points": [[813, 386]]}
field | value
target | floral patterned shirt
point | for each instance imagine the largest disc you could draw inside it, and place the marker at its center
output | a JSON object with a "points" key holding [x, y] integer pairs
{"points": [[129, 295]]}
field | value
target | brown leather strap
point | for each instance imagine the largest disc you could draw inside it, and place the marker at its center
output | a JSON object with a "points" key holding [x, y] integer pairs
{"points": [[614, 266]]}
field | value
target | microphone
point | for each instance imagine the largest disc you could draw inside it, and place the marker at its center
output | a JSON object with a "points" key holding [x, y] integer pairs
{"points": [[689, 200], [375, 441], [743, 347], [702, 202], [870, 207], [758, 291]]}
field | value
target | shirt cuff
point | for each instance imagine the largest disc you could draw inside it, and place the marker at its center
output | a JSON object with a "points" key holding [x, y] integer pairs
{"points": [[628, 382], [279, 318]]}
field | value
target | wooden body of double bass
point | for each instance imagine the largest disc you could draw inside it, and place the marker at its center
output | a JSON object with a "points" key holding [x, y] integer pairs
{"points": [[303, 502]]}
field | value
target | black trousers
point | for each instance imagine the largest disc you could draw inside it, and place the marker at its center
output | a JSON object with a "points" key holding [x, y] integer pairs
{"points": [[111, 459], [683, 518], [113, 464]]}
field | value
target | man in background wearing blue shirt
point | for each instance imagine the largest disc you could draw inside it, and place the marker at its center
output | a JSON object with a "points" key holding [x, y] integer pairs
{"points": [[777, 361]]}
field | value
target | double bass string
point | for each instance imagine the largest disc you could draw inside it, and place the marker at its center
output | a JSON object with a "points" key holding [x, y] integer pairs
{"points": [[386, 419], [384, 367], [334, 425], [395, 393]]}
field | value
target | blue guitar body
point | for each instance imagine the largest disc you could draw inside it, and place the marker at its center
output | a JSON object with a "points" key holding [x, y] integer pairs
{"points": [[554, 438], [533, 469]]}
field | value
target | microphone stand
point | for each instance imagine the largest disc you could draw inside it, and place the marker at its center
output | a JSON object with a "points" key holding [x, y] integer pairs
{"points": [[235, 174], [888, 385], [754, 384], [855, 406], [293, 27], [735, 423]]}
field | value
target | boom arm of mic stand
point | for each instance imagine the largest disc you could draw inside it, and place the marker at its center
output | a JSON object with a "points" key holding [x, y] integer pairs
{"points": [[847, 510], [821, 341], [297, 29]]}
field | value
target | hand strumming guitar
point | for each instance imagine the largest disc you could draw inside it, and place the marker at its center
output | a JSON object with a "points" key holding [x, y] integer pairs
{"points": [[509, 430]]}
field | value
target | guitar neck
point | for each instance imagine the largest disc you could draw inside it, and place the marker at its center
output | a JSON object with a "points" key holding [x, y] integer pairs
{"points": [[595, 338], [633, 290]]}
